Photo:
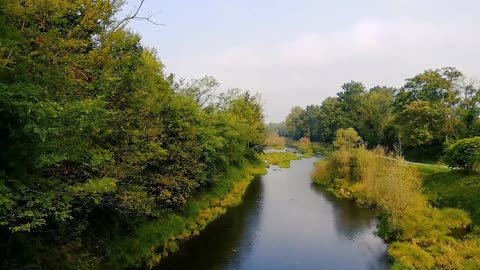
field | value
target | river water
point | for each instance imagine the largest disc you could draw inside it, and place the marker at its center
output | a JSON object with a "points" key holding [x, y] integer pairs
{"points": [[286, 222]]}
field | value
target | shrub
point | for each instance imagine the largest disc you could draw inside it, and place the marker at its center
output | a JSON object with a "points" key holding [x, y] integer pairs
{"points": [[321, 173], [464, 154], [275, 141], [347, 139], [304, 146]]}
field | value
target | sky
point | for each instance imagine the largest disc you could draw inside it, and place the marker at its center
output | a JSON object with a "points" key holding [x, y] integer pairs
{"points": [[298, 52]]}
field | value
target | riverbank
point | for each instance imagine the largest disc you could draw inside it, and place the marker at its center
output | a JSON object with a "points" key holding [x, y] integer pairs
{"points": [[281, 159], [154, 240], [286, 222], [308, 148], [420, 236], [454, 188]]}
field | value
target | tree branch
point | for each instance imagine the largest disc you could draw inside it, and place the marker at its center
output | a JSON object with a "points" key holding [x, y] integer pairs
{"points": [[135, 16]]}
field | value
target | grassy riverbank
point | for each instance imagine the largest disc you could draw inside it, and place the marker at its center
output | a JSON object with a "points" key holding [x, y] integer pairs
{"points": [[309, 148], [151, 241], [420, 236], [455, 189], [281, 159]]}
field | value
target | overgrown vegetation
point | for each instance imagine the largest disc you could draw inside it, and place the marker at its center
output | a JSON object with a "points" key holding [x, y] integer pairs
{"points": [[421, 236], [303, 145], [151, 241], [458, 189], [96, 138], [275, 141]]}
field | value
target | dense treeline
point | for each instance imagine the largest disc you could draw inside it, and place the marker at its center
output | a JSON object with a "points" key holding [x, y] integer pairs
{"points": [[92, 129], [430, 111]]}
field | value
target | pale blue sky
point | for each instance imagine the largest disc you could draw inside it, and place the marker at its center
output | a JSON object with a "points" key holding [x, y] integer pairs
{"points": [[299, 52]]}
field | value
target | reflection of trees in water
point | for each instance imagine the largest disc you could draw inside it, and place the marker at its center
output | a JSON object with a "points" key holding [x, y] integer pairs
{"points": [[355, 223], [218, 245], [350, 219]]}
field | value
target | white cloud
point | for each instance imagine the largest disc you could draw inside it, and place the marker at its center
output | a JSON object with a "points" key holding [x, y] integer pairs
{"points": [[313, 65], [367, 39]]}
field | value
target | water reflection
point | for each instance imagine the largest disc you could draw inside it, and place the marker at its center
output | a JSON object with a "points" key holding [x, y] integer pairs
{"points": [[285, 222], [218, 246], [350, 220]]}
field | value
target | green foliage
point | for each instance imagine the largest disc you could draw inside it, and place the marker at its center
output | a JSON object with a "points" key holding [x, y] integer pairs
{"points": [[282, 159], [347, 139], [153, 240], [464, 154], [420, 123], [369, 112], [432, 109], [92, 130], [424, 237], [454, 188], [294, 126]]}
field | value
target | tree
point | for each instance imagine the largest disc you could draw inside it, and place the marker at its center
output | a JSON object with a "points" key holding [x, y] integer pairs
{"points": [[295, 126], [464, 154], [347, 139], [94, 131], [425, 109], [200, 90], [436, 86]]}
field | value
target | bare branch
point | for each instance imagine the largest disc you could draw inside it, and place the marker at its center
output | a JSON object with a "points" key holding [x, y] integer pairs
{"points": [[135, 16]]}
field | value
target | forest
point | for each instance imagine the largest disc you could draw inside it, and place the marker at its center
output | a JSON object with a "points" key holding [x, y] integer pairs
{"points": [[419, 120], [97, 139]]}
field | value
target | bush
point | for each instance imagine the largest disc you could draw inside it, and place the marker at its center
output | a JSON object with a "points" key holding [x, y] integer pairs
{"points": [[275, 141], [464, 154], [347, 139]]}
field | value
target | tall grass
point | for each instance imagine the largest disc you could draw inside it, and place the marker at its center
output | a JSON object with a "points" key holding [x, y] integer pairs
{"points": [[455, 188], [422, 236]]}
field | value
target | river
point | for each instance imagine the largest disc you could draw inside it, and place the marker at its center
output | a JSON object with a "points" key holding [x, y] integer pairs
{"points": [[286, 222]]}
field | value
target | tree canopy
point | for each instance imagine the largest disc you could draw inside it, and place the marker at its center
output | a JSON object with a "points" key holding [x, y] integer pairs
{"points": [[432, 108], [91, 126]]}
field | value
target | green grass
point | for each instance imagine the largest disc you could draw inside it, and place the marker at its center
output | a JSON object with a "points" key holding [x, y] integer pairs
{"points": [[322, 148], [430, 169], [282, 159], [454, 188]]}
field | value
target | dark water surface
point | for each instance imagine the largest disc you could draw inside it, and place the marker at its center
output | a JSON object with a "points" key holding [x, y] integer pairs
{"points": [[285, 222]]}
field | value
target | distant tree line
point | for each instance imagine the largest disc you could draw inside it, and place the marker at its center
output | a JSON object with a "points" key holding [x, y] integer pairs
{"points": [[432, 110]]}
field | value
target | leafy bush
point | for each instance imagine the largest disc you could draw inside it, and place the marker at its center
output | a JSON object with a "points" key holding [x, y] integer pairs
{"points": [[347, 139], [464, 154]]}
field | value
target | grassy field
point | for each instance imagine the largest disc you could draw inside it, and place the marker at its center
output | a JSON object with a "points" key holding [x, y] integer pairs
{"points": [[446, 187], [453, 188]]}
